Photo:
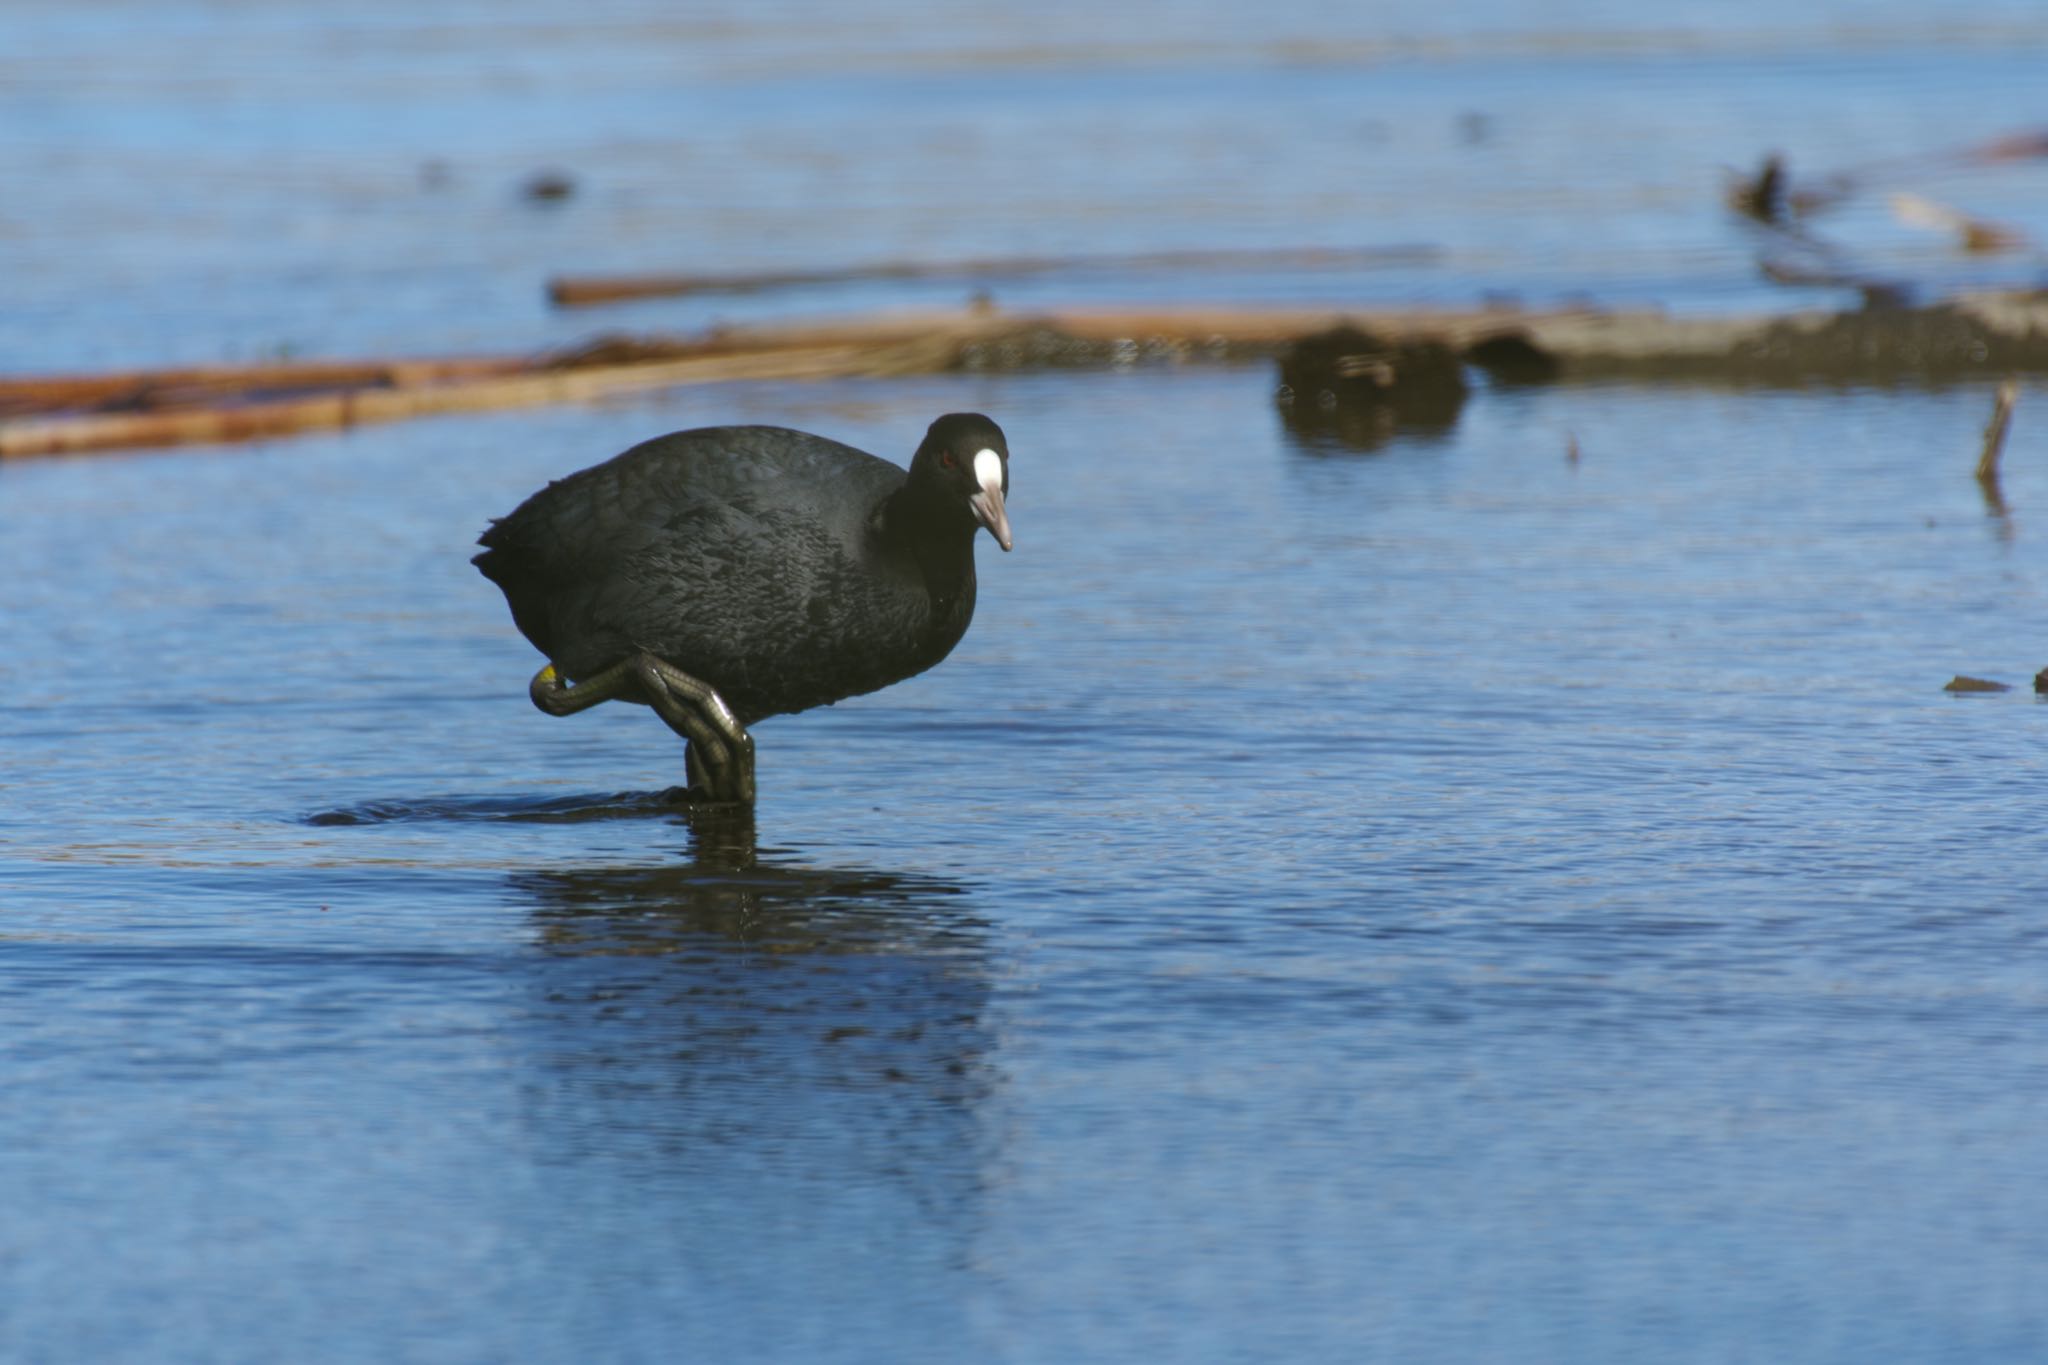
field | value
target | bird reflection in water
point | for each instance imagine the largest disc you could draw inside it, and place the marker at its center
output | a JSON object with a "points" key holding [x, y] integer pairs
{"points": [[737, 995]]}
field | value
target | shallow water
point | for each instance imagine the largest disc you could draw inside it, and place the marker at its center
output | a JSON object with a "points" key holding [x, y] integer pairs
{"points": [[1446, 902]]}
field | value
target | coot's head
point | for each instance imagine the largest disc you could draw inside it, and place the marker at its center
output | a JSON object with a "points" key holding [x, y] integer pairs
{"points": [[965, 457]]}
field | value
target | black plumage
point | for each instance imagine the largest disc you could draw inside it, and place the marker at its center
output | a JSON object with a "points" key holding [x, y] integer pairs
{"points": [[783, 569]]}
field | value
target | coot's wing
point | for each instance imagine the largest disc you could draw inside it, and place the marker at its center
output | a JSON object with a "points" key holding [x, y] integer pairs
{"points": [[762, 580]]}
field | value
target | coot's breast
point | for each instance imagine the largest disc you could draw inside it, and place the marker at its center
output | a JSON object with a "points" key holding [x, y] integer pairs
{"points": [[747, 556]]}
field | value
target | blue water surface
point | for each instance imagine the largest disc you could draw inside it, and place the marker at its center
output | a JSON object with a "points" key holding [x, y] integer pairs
{"points": [[1449, 901], [205, 181], [1513, 893]]}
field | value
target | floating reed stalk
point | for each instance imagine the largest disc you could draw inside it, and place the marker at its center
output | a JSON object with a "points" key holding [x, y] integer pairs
{"points": [[1994, 432], [55, 414], [249, 418], [583, 291]]}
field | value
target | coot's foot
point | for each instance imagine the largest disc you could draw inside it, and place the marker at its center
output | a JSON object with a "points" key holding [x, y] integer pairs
{"points": [[559, 698], [738, 785], [719, 755]]}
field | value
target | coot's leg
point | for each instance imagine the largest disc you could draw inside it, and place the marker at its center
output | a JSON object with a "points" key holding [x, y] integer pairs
{"points": [[719, 756], [558, 698], [693, 709], [741, 773]]}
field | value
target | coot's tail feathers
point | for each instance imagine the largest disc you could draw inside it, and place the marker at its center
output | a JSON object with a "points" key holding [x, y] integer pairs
{"points": [[520, 568], [492, 562]]}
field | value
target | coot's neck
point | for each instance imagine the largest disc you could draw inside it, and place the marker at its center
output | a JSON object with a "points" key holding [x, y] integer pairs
{"points": [[938, 534]]}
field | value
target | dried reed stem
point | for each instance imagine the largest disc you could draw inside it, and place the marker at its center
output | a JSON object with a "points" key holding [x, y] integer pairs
{"points": [[1994, 431]]}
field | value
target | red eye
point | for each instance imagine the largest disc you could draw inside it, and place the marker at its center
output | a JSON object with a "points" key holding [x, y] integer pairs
{"points": [[948, 461]]}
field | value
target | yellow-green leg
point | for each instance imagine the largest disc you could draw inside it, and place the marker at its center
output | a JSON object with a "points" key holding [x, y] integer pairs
{"points": [[718, 752]]}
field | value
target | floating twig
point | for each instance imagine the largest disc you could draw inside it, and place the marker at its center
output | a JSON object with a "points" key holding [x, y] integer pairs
{"points": [[145, 390], [255, 418], [582, 291], [1994, 432]]}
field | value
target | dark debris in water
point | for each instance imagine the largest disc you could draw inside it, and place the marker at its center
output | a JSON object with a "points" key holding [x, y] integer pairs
{"points": [[1892, 343], [548, 187], [1513, 358], [1363, 389], [1963, 683]]}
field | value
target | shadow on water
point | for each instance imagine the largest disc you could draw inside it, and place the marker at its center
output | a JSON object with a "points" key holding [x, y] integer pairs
{"points": [[727, 896], [561, 810], [775, 1043]]}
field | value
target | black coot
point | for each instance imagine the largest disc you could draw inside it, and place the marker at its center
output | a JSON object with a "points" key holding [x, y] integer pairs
{"points": [[729, 574]]}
